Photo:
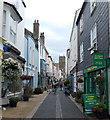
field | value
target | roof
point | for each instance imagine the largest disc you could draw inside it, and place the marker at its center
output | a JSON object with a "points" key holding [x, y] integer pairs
{"points": [[23, 3], [81, 11], [15, 10]]}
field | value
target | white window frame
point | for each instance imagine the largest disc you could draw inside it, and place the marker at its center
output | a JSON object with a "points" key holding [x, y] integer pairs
{"points": [[4, 24], [12, 36], [92, 6], [81, 24], [30, 51], [81, 52], [93, 38], [32, 57]]}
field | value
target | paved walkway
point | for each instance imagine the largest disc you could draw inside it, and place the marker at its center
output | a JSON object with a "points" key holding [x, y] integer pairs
{"points": [[59, 106], [28, 109], [25, 109]]}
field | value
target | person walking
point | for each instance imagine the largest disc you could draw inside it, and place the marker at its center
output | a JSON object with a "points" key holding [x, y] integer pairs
{"points": [[54, 87]]}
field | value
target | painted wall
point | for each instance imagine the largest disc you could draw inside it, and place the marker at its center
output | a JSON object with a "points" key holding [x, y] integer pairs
{"points": [[31, 56], [1, 11], [19, 44]]}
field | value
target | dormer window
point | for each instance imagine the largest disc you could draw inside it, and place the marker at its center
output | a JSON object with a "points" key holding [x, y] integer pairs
{"points": [[92, 6]]}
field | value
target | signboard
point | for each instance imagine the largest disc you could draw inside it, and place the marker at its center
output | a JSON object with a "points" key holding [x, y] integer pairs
{"points": [[98, 59], [92, 68], [89, 100]]}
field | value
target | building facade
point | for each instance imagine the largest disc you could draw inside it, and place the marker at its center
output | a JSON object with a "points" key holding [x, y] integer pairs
{"points": [[62, 63], [1, 44], [31, 56], [93, 43], [12, 26], [73, 54]]}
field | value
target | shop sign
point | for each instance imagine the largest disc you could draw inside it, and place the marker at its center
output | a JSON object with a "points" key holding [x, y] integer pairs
{"points": [[89, 100], [98, 59]]}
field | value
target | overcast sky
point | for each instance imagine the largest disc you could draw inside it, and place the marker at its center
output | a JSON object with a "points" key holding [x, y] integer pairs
{"points": [[56, 19]]}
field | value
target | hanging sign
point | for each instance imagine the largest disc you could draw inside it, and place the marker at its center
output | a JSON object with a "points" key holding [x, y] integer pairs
{"points": [[98, 59]]}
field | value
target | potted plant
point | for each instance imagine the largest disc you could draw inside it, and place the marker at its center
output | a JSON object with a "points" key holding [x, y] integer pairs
{"points": [[99, 79], [13, 101], [38, 90], [10, 74], [100, 109], [80, 80], [27, 93], [26, 97]]}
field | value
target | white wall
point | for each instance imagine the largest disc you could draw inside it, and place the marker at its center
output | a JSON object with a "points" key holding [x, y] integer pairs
{"points": [[20, 30], [20, 27], [73, 45], [1, 12]]}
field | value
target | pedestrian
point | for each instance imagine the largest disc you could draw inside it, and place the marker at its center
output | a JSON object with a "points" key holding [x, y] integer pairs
{"points": [[54, 87], [61, 85], [49, 88]]}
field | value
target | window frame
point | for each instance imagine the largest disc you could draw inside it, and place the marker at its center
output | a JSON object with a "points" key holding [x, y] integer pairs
{"points": [[93, 40], [4, 24], [81, 24], [81, 52], [92, 6]]}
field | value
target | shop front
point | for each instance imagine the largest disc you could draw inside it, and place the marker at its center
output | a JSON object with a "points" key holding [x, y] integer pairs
{"points": [[108, 83], [96, 82]]}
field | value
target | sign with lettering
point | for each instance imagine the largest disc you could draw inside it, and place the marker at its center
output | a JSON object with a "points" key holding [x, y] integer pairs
{"points": [[89, 100], [98, 59]]}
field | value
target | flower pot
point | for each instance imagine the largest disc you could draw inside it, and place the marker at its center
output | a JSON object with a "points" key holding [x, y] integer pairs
{"points": [[102, 114], [13, 103], [25, 98]]}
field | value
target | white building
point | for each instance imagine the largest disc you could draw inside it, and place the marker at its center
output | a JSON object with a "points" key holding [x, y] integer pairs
{"points": [[73, 53], [1, 43], [13, 24]]}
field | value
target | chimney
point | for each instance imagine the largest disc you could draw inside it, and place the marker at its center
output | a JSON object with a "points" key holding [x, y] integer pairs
{"points": [[36, 32], [42, 38]]}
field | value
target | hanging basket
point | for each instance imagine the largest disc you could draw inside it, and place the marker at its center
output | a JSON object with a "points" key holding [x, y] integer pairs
{"points": [[99, 79], [80, 80], [26, 77]]}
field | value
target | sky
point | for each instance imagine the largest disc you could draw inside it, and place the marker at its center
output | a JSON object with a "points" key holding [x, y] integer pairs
{"points": [[55, 19]]}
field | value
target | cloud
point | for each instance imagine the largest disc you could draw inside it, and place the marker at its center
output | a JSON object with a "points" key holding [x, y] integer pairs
{"points": [[56, 19]]}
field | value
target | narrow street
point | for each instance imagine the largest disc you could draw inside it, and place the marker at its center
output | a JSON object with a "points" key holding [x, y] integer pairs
{"points": [[58, 106]]}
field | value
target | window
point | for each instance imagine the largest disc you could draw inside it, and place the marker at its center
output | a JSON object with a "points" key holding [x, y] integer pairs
{"points": [[92, 6], [81, 24], [12, 36], [30, 51], [81, 52], [13, 29], [32, 58], [94, 38], [4, 24]]}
